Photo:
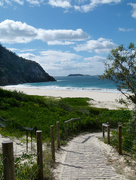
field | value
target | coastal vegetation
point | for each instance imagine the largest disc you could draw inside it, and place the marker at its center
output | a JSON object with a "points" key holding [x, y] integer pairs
{"points": [[24, 110], [19, 110], [120, 68]]}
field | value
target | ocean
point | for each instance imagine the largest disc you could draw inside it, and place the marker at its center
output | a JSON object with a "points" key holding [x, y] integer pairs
{"points": [[75, 83]]}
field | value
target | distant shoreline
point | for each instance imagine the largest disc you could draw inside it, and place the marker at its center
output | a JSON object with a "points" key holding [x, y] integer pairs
{"points": [[100, 99], [78, 75]]}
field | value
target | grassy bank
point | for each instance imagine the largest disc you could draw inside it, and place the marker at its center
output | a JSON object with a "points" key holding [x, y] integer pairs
{"points": [[30, 111]]}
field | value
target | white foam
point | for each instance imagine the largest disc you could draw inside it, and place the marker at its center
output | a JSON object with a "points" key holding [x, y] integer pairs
{"points": [[63, 88]]}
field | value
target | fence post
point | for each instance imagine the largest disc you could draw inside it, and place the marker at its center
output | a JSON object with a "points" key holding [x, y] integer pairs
{"points": [[39, 154], [108, 134], [58, 134], [52, 143], [120, 139], [66, 132], [8, 160]]}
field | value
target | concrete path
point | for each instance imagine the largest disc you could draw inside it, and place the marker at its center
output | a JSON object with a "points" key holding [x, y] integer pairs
{"points": [[84, 160]]}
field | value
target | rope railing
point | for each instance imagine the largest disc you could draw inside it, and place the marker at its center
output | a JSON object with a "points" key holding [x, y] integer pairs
{"points": [[26, 166], [66, 128], [20, 165], [37, 159], [34, 173], [69, 128], [120, 138], [114, 138], [23, 162], [134, 151]]}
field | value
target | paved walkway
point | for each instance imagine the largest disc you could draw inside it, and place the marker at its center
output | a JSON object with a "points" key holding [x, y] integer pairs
{"points": [[84, 160]]}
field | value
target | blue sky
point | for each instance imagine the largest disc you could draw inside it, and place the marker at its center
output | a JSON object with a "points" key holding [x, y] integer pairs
{"points": [[67, 36]]}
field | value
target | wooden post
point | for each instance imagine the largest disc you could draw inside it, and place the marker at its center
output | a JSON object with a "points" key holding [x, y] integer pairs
{"points": [[66, 132], [27, 141], [39, 154], [108, 134], [52, 143], [58, 134], [8, 160], [120, 139]]}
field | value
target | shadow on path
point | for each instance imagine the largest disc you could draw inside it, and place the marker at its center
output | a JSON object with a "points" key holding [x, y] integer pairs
{"points": [[84, 159]]}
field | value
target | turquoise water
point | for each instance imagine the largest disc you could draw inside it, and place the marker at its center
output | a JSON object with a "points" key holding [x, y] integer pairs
{"points": [[75, 83]]}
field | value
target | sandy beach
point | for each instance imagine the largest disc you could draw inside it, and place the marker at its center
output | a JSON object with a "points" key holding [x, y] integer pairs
{"points": [[100, 99]]}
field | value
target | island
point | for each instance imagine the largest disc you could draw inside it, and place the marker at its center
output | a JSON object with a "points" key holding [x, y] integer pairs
{"points": [[78, 75]]}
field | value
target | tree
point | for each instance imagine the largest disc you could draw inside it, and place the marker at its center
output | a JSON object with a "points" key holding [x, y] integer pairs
{"points": [[121, 69]]}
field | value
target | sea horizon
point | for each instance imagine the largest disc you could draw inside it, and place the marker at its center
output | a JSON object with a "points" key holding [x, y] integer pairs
{"points": [[74, 83]]}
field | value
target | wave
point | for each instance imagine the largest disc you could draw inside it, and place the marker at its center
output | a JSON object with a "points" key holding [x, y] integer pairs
{"points": [[64, 88]]}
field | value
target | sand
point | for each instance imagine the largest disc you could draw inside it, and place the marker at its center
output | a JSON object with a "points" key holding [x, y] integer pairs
{"points": [[100, 99]]}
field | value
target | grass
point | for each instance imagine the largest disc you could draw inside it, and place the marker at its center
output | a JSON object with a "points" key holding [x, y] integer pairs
{"points": [[30, 111], [76, 102]]}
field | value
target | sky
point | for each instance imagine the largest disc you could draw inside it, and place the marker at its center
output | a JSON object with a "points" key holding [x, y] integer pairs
{"points": [[67, 36]]}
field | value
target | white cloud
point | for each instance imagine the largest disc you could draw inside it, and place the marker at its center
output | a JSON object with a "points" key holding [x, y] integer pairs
{"points": [[98, 46], [62, 34], [18, 32], [51, 56], [63, 63], [93, 4], [95, 58], [125, 29], [29, 56], [55, 62], [78, 5], [60, 43], [21, 2], [1, 3], [97, 62], [33, 2], [134, 9], [60, 3], [21, 50], [81, 5], [8, 2], [59, 56]]}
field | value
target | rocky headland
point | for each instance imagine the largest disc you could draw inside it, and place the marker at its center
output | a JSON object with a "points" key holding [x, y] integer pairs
{"points": [[17, 70]]}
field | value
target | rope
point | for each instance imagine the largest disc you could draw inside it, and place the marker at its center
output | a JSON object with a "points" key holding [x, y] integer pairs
{"points": [[129, 149]]}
